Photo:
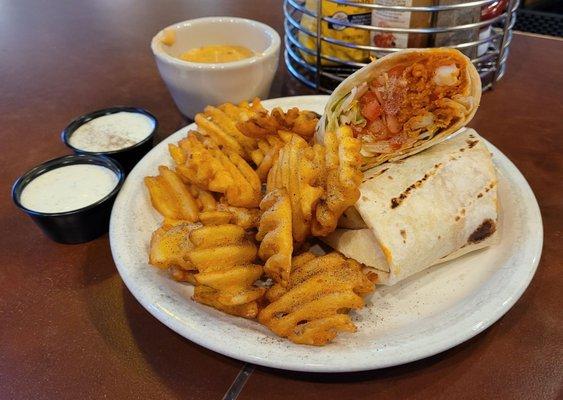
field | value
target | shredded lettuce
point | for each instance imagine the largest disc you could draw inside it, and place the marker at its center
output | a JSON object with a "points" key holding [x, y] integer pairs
{"points": [[338, 104], [353, 115], [348, 108]]}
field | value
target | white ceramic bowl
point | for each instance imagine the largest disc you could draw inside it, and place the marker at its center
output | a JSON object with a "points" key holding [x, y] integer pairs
{"points": [[195, 85]]}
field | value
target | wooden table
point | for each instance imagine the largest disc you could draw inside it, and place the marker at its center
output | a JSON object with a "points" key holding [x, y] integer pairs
{"points": [[70, 329]]}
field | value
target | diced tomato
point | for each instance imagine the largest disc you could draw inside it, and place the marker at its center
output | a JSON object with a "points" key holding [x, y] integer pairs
{"points": [[370, 106], [396, 71], [368, 97], [371, 110]]}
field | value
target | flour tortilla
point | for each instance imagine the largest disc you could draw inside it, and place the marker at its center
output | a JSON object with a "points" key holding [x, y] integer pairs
{"points": [[424, 210], [466, 108]]}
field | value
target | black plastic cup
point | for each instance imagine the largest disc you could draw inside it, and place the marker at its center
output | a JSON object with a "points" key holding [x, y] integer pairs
{"points": [[76, 226], [127, 157]]}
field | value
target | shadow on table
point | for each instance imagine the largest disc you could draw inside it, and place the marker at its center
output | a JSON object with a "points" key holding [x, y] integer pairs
{"points": [[98, 264], [183, 365], [144, 345]]}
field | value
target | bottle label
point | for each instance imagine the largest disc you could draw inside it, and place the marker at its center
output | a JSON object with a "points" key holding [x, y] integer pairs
{"points": [[357, 19], [391, 19]]}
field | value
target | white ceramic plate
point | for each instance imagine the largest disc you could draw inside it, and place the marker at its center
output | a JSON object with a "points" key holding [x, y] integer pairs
{"points": [[424, 315]]}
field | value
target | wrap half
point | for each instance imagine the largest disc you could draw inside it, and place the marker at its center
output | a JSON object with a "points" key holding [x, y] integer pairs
{"points": [[429, 208], [405, 102]]}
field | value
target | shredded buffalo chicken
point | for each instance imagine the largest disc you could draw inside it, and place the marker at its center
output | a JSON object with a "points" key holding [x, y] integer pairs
{"points": [[408, 103]]}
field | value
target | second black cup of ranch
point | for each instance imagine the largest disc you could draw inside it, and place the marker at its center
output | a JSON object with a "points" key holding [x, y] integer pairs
{"points": [[123, 133]]}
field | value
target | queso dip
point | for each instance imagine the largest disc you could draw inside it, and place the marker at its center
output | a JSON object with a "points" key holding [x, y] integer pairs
{"points": [[217, 53]]}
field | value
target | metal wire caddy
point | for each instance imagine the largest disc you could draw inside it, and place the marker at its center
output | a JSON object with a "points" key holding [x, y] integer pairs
{"points": [[491, 65]]}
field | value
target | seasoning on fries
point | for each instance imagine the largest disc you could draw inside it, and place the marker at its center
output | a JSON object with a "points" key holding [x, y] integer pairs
{"points": [[222, 256], [309, 310], [299, 170], [250, 187], [275, 234], [343, 178]]}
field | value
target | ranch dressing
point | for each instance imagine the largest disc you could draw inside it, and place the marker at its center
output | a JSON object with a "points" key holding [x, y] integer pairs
{"points": [[68, 188], [112, 132]]}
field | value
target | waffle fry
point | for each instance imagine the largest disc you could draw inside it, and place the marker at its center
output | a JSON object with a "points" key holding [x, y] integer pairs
{"points": [[239, 113], [178, 200], [170, 196], [223, 256], [303, 123], [246, 218], [253, 107], [210, 203], [343, 178], [177, 154], [204, 199], [271, 131], [299, 171], [208, 296], [180, 275], [277, 290], [233, 284], [169, 246], [274, 232], [265, 124], [223, 139], [222, 171], [260, 126], [220, 123], [266, 155], [215, 217], [310, 310]]}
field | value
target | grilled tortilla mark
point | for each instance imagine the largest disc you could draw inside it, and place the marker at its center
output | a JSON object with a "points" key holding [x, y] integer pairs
{"points": [[403, 235], [486, 229], [487, 189], [491, 185], [375, 175], [396, 201], [461, 214], [471, 143]]}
